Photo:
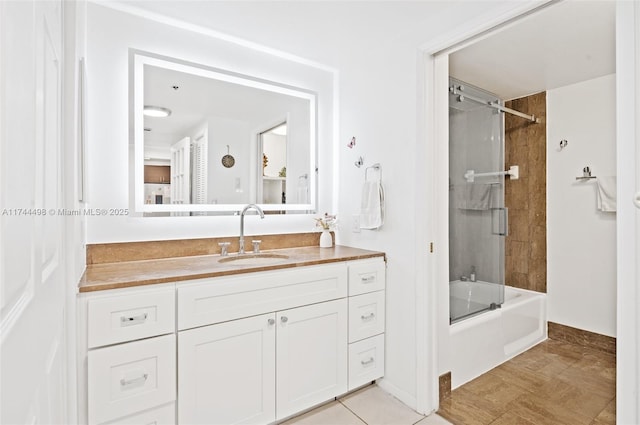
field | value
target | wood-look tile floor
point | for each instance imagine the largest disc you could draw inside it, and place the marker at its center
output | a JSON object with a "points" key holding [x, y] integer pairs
{"points": [[554, 383]]}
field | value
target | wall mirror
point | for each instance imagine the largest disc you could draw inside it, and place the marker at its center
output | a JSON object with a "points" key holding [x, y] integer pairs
{"points": [[209, 141]]}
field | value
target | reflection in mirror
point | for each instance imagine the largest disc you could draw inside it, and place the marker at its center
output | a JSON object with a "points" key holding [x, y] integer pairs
{"points": [[272, 176], [209, 141]]}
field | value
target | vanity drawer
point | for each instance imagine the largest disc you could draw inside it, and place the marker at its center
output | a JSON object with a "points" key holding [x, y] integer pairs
{"points": [[114, 319], [366, 315], [128, 378], [163, 415], [216, 300], [366, 276], [366, 361]]}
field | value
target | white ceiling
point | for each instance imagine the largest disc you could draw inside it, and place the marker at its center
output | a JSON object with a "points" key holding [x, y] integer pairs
{"points": [[563, 44], [198, 98], [331, 32]]}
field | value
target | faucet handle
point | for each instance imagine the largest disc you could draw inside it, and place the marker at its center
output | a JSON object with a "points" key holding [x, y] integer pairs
{"points": [[256, 246], [224, 247]]}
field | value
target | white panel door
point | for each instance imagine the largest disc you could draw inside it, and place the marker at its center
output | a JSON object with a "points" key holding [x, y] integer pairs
{"points": [[226, 373], [32, 290], [199, 168], [312, 355], [180, 172]]}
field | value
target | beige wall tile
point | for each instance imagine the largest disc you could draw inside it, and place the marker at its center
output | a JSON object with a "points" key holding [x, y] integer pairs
{"points": [[525, 146]]}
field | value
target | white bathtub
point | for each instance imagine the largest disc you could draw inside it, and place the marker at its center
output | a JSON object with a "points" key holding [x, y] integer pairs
{"points": [[482, 342]]}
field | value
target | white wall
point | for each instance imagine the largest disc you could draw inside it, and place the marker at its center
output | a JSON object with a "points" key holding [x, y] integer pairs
{"points": [[581, 240], [274, 147], [221, 186]]}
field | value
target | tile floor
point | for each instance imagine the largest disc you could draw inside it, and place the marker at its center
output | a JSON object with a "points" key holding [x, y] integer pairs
{"points": [[370, 406], [554, 383]]}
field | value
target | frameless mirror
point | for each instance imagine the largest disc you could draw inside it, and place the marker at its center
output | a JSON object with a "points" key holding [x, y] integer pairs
{"points": [[209, 141]]}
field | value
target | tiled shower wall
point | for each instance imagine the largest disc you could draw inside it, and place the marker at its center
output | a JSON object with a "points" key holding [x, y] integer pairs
{"points": [[526, 198]]}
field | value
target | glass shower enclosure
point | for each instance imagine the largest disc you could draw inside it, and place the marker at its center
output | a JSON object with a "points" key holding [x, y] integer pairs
{"points": [[477, 214]]}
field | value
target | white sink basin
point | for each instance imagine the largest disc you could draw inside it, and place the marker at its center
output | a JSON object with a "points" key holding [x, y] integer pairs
{"points": [[264, 259]]}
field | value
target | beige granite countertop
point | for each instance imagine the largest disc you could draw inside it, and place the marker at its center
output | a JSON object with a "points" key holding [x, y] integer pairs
{"points": [[126, 274]]}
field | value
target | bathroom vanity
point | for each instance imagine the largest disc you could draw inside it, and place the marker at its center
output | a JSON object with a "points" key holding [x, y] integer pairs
{"points": [[194, 340]]}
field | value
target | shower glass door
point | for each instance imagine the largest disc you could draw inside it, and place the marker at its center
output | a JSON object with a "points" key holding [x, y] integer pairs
{"points": [[477, 215]]}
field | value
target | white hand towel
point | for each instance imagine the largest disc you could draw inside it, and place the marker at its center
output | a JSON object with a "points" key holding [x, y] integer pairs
{"points": [[606, 197], [372, 205], [474, 196]]}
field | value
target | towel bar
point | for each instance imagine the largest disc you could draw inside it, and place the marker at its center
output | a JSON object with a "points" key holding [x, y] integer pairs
{"points": [[376, 167], [586, 174], [513, 172]]}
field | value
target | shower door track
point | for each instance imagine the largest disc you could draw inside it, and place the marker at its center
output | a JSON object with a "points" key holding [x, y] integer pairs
{"points": [[463, 96]]}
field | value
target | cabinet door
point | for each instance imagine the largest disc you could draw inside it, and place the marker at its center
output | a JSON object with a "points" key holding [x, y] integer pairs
{"points": [[312, 355], [226, 373], [157, 174]]}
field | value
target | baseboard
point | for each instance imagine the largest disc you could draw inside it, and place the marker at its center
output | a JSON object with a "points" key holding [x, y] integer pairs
{"points": [[581, 337], [403, 396], [444, 386]]}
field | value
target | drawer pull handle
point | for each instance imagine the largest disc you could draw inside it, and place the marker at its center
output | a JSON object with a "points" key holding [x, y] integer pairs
{"points": [[271, 321], [368, 316], [125, 383], [366, 362], [133, 320], [368, 279], [284, 319]]}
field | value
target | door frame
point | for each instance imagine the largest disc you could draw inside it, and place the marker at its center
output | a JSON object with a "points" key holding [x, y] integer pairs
{"points": [[432, 200]]}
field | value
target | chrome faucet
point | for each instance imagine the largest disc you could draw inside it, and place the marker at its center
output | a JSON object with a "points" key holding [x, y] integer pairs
{"points": [[244, 210]]}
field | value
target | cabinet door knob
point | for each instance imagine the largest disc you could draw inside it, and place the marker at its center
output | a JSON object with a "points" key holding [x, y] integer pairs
{"points": [[271, 322], [284, 319]]}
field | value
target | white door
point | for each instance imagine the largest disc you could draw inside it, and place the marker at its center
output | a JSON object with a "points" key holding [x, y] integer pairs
{"points": [[180, 171], [226, 373], [312, 355], [199, 168], [32, 286]]}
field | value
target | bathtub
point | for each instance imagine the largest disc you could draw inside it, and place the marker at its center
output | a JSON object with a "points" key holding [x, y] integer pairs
{"points": [[481, 342]]}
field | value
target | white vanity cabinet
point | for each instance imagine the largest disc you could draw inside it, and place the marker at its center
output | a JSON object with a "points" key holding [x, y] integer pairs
{"points": [[367, 283], [248, 348], [312, 356], [130, 356], [229, 372]]}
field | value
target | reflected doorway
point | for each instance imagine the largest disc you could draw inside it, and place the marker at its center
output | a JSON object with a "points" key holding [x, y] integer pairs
{"points": [[272, 173]]}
